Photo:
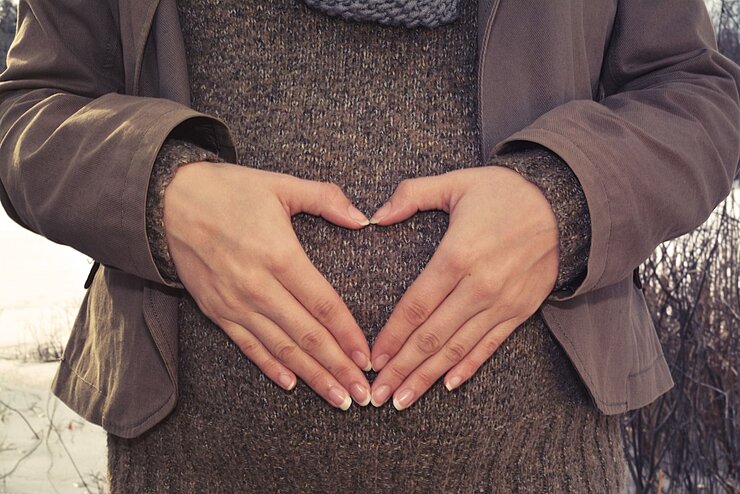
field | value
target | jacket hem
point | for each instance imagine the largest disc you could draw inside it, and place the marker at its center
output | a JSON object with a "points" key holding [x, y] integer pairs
{"points": [[654, 380], [74, 391]]}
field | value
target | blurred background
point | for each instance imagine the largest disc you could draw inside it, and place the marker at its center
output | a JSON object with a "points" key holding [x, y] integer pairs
{"points": [[686, 441]]}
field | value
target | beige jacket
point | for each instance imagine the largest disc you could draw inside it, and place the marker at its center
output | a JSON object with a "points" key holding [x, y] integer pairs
{"points": [[632, 94]]}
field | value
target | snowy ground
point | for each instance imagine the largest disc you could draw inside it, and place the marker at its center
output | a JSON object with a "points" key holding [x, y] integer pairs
{"points": [[46, 445], [43, 444]]}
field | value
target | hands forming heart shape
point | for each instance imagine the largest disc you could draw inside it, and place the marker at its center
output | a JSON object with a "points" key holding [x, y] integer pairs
{"points": [[230, 235]]}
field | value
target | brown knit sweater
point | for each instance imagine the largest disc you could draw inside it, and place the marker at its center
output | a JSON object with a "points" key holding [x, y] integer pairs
{"points": [[364, 106]]}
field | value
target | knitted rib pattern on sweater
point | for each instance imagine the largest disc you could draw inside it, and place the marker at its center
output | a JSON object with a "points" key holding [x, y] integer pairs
{"points": [[409, 13], [391, 103]]}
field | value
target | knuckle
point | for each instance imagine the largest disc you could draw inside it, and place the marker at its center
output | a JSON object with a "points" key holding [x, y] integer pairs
{"points": [[427, 343], [403, 189], [508, 306], [467, 368], [208, 308], [249, 347], [415, 312], [491, 344], [455, 352], [332, 192], [487, 286], [252, 295], [456, 261], [316, 380], [310, 341], [392, 340], [397, 373], [342, 373], [231, 302], [285, 352], [279, 260], [425, 378], [243, 283], [324, 309], [269, 366]]}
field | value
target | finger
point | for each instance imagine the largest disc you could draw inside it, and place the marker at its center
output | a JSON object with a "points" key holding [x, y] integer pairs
{"points": [[288, 353], [466, 340], [417, 194], [482, 351], [312, 338], [316, 294], [438, 279], [323, 199], [257, 353], [425, 375], [432, 337]]}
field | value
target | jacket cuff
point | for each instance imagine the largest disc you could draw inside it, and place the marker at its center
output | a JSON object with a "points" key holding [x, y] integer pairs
{"points": [[173, 153], [563, 191]]}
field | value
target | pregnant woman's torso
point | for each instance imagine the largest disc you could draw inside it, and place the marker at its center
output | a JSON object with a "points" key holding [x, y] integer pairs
{"points": [[364, 106]]}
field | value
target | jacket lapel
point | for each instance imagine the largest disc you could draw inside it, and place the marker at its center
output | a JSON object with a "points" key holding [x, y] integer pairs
{"points": [[136, 18], [486, 12]]}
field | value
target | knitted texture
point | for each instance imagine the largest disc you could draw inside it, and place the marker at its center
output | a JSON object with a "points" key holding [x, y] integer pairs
{"points": [[537, 164], [393, 103], [409, 13], [173, 154]]}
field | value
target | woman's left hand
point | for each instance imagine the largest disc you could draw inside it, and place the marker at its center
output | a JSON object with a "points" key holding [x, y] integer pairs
{"points": [[495, 265]]}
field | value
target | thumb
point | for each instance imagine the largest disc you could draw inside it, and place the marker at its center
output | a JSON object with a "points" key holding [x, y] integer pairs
{"points": [[323, 199], [413, 195]]}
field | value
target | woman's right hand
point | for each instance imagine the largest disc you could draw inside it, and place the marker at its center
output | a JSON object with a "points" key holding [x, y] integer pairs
{"points": [[231, 239]]}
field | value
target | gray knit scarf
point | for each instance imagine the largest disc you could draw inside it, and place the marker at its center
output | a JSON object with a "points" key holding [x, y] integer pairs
{"points": [[409, 13]]}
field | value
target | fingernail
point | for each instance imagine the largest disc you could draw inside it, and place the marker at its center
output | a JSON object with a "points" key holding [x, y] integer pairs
{"points": [[361, 394], [381, 213], [380, 361], [453, 383], [340, 398], [357, 215], [403, 399], [361, 360], [286, 381], [380, 395]]}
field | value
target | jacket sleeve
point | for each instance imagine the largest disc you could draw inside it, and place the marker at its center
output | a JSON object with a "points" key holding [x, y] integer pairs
{"points": [[660, 149], [75, 153]]}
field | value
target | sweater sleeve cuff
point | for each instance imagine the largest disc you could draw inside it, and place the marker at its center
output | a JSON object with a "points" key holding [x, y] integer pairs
{"points": [[563, 191], [173, 153]]}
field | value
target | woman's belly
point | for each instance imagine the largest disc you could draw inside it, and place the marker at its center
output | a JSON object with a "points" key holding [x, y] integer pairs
{"points": [[526, 385]]}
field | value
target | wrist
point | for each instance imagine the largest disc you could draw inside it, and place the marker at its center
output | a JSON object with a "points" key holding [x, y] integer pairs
{"points": [[173, 154]]}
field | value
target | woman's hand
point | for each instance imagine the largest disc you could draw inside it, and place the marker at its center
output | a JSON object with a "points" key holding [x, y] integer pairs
{"points": [[493, 268], [231, 239]]}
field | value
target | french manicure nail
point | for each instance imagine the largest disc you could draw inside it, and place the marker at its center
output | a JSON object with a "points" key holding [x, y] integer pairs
{"points": [[380, 395], [453, 383], [381, 213], [361, 360], [380, 362], [286, 381], [357, 215], [340, 398], [361, 394], [403, 399]]}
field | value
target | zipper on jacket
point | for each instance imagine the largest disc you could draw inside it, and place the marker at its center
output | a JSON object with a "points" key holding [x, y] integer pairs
{"points": [[486, 35]]}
